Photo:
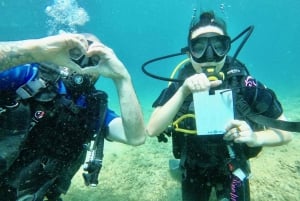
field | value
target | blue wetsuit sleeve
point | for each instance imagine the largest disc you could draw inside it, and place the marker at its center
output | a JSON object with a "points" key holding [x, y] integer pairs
{"points": [[110, 115], [11, 79]]}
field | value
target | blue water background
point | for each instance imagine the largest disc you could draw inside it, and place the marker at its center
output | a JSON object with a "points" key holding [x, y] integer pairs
{"points": [[139, 30]]}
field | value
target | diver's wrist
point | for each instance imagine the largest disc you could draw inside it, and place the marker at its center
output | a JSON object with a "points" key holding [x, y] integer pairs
{"points": [[120, 81], [255, 142], [184, 92]]}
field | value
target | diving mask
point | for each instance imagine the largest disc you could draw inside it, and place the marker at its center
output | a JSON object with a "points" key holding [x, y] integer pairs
{"points": [[82, 60], [79, 81], [209, 48]]}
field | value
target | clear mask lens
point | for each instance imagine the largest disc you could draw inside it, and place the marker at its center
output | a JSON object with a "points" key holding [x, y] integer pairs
{"points": [[220, 45], [83, 61]]}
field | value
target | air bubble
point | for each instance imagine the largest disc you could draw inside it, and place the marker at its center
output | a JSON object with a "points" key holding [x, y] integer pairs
{"points": [[65, 15]]}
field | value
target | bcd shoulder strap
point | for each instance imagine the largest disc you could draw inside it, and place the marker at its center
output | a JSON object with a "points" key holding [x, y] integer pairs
{"points": [[43, 87]]}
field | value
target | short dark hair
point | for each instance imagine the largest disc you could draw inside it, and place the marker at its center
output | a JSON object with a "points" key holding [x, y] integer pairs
{"points": [[209, 18]]}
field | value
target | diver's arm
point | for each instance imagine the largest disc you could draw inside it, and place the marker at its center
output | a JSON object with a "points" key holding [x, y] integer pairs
{"points": [[16, 53], [267, 137], [131, 120], [271, 137], [130, 128], [54, 49], [163, 116]]}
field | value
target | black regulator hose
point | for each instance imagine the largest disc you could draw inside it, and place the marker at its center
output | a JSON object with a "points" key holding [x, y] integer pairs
{"points": [[157, 59]]}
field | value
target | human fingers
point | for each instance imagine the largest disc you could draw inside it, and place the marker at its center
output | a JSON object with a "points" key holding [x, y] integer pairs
{"points": [[233, 124], [239, 124], [215, 83], [246, 134], [106, 62], [232, 134], [77, 45], [96, 53], [232, 130], [202, 82], [239, 131], [99, 49], [198, 82], [66, 41]]}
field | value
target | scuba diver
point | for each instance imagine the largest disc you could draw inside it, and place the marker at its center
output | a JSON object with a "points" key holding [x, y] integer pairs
{"points": [[52, 118], [220, 160]]}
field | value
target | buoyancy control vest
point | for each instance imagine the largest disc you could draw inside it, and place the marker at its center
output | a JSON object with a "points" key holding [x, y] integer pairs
{"points": [[14, 125], [15, 113], [245, 89], [55, 129]]}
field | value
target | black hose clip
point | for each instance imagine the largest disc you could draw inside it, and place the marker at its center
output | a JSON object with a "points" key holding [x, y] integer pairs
{"points": [[93, 168]]}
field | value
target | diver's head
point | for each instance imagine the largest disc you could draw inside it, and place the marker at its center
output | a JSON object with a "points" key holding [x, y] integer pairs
{"points": [[208, 42], [78, 81]]}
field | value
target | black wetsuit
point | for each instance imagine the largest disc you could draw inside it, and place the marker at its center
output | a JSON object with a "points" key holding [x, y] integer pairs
{"points": [[42, 137], [205, 159]]}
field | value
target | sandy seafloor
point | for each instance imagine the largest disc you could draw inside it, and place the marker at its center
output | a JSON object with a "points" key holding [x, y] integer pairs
{"points": [[155, 28], [142, 173]]}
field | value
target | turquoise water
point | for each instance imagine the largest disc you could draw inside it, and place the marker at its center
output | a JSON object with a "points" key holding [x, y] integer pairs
{"points": [[144, 29], [139, 30]]}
